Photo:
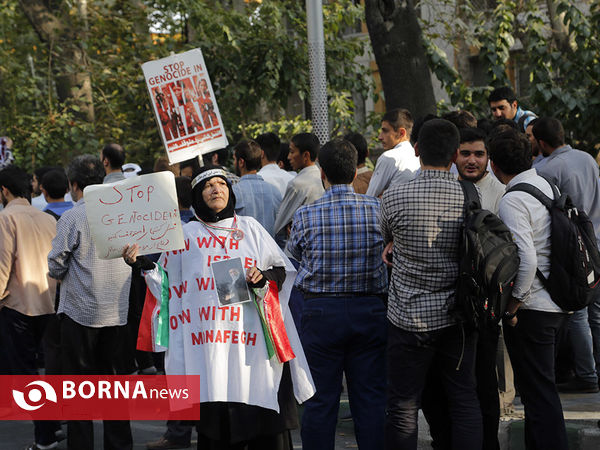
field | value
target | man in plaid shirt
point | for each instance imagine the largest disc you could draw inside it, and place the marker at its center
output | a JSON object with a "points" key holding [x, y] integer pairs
{"points": [[338, 245], [423, 219]]}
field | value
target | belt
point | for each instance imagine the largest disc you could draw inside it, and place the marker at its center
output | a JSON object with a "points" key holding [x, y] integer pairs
{"points": [[310, 295]]}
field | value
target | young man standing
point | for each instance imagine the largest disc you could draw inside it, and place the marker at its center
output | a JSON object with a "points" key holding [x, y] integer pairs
{"points": [[306, 187], [398, 163], [532, 343], [421, 332], [503, 104], [337, 242]]}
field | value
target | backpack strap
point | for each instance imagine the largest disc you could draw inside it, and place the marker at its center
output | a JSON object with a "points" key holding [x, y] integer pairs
{"points": [[533, 191], [471, 195]]}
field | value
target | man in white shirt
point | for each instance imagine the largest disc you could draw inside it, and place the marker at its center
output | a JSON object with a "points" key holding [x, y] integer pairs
{"points": [[398, 163], [532, 343], [472, 164], [270, 171]]}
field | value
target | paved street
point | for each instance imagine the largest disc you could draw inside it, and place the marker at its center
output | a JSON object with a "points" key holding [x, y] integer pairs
{"points": [[582, 411]]}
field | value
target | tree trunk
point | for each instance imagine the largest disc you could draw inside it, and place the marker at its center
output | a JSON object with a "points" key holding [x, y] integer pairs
{"points": [[63, 35], [396, 39]]}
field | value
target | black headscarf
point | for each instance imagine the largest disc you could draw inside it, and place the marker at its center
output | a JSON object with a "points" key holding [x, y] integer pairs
{"points": [[200, 207]]}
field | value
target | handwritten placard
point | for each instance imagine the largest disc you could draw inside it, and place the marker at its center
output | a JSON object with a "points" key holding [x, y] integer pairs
{"points": [[140, 210], [185, 106]]}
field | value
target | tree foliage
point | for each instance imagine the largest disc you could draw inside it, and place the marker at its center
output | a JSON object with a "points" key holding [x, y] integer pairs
{"points": [[256, 56], [558, 51]]}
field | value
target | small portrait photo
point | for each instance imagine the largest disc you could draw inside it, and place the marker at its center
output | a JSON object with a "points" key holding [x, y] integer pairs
{"points": [[230, 278]]}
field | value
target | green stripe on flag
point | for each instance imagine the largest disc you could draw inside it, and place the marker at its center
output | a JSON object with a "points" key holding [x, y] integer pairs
{"points": [[162, 328]]}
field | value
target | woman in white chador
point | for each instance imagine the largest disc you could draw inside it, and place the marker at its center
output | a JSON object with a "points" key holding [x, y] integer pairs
{"points": [[247, 394]]}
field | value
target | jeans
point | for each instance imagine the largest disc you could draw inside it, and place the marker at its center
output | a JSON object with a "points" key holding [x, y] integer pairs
{"points": [[594, 320], [580, 337], [345, 335], [410, 357], [532, 348]]}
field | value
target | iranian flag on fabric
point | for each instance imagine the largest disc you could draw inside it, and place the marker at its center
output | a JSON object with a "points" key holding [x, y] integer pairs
{"points": [[153, 334]]}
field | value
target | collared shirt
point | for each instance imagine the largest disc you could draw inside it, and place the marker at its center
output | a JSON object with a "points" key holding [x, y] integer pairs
{"points": [[520, 113], [423, 217], [362, 180], [58, 208], [25, 239], [39, 202], [539, 161], [304, 189], [113, 177], [276, 176], [576, 174], [491, 191], [529, 222], [94, 292], [338, 244], [256, 198], [395, 166]]}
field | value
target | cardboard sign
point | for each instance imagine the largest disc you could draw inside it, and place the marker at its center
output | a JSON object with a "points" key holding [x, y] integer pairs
{"points": [[184, 105], [140, 210]]}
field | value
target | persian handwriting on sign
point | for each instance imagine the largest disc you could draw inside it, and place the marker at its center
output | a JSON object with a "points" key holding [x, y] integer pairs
{"points": [[140, 210]]}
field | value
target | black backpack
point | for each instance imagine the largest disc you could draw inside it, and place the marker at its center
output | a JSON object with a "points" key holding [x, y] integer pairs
{"points": [[574, 256], [488, 265]]}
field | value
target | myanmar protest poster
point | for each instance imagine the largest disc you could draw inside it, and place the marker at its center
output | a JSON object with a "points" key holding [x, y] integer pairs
{"points": [[184, 105]]}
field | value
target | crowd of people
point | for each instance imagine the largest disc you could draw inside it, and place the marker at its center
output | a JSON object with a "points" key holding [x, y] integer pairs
{"points": [[364, 264]]}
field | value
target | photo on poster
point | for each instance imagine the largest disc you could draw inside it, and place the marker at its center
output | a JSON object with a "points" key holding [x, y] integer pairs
{"points": [[230, 278]]}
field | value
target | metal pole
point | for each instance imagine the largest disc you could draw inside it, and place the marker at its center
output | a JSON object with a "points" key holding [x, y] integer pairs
{"points": [[316, 62]]}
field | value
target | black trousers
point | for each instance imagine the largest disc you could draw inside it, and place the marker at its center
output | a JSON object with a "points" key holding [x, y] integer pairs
{"points": [[410, 357], [96, 351], [435, 404], [21, 338], [532, 348]]}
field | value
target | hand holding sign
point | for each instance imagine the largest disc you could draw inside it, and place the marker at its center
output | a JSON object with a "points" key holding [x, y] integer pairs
{"points": [[141, 210]]}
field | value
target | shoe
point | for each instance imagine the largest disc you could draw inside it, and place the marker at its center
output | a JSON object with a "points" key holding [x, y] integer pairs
{"points": [[164, 443], [578, 386], [35, 446]]}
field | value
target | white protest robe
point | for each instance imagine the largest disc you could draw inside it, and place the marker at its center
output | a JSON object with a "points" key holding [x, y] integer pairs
{"points": [[226, 345]]}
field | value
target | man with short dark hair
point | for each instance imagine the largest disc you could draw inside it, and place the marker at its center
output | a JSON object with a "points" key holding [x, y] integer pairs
{"points": [[112, 157], [54, 185], [363, 173], [306, 187], [270, 171], [575, 173], [219, 158], [337, 242], [472, 165], [503, 104], [26, 292], [254, 196], [532, 344], [398, 163], [94, 303], [37, 198], [423, 220]]}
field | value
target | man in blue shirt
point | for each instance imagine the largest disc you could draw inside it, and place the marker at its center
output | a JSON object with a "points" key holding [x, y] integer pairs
{"points": [[337, 242], [254, 196], [503, 104], [575, 173], [54, 185]]}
